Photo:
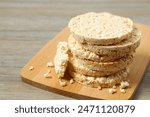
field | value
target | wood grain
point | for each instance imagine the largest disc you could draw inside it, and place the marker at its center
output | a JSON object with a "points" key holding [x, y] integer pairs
{"points": [[27, 25]]}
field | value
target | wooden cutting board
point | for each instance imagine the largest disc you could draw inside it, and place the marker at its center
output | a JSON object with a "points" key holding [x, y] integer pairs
{"points": [[46, 54]]}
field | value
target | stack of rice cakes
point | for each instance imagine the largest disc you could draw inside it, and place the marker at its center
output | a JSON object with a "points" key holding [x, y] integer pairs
{"points": [[101, 48]]}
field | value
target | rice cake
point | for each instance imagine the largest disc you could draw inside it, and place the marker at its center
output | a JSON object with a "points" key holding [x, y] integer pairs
{"points": [[100, 28], [77, 50], [61, 59], [125, 46], [107, 81], [101, 66]]}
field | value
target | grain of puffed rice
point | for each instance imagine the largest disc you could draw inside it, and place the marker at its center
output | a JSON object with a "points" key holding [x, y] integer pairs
{"points": [[122, 90], [71, 81], [124, 84], [112, 91], [99, 88], [31, 68], [62, 83], [47, 75], [114, 87], [50, 64]]}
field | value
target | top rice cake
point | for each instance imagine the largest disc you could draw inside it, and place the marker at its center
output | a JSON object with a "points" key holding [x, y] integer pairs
{"points": [[100, 28]]}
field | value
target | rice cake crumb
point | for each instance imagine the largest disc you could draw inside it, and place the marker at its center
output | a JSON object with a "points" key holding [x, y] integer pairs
{"points": [[47, 75], [71, 81], [122, 90], [49, 71], [112, 91], [114, 87], [50, 64], [62, 83], [31, 68], [124, 84], [99, 88]]}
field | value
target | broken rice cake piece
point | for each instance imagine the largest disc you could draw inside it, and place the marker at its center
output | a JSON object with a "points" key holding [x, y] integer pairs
{"points": [[61, 59]]}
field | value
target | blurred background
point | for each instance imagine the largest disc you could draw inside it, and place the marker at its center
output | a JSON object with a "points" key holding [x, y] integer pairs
{"points": [[27, 25]]}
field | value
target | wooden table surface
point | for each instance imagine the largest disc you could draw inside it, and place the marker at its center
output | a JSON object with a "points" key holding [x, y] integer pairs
{"points": [[27, 25]]}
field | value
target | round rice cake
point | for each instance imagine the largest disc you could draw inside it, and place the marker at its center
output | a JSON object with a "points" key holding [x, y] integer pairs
{"points": [[125, 46], [85, 71], [100, 28], [107, 81], [101, 66], [107, 68], [78, 51]]}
